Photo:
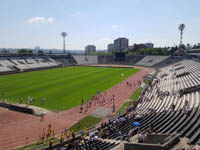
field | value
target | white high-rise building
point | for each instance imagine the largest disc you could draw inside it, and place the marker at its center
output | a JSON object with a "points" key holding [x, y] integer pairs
{"points": [[120, 44], [90, 49]]}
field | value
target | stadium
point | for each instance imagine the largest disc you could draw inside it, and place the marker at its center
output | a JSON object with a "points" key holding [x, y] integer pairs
{"points": [[99, 75], [65, 101]]}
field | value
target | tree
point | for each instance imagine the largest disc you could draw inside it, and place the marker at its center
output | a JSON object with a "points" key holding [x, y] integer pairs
{"points": [[25, 51], [194, 47], [40, 52], [132, 53], [4, 51], [22, 51], [152, 51], [173, 49], [30, 51]]}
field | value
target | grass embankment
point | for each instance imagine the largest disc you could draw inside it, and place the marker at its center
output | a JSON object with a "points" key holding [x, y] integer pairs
{"points": [[63, 88], [135, 95], [85, 123], [36, 145]]}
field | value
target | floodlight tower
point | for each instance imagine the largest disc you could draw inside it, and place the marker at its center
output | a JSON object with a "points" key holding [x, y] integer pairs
{"points": [[64, 34], [181, 28]]}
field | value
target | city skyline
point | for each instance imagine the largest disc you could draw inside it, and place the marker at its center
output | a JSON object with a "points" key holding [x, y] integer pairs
{"points": [[26, 24]]}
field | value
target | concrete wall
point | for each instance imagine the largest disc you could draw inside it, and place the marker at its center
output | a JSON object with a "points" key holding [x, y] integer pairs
{"points": [[154, 138]]}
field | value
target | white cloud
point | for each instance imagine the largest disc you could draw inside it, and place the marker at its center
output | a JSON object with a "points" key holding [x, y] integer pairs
{"points": [[40, 20], [115, 26]]}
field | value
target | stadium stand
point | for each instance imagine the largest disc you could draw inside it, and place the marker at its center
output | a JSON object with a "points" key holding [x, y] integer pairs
{"points": [[151, 60], [88, 144], [133, 59], [13, 64], [105, 59], [4, 67], [86, 59], [130, 60], [64, 60], [167, 62]]}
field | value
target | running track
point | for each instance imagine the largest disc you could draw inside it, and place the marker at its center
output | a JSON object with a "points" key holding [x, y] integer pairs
{"points": [[15, 126]]}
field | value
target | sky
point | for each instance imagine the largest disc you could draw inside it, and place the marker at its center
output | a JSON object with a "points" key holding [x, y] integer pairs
{"points": [[30, 23]]}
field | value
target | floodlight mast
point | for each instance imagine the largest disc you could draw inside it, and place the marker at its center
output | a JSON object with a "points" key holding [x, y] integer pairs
{"points": [[64, 34], [181, 28]]}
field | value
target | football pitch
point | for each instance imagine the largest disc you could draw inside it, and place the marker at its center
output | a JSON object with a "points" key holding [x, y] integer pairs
{"points": [[63, 88]]}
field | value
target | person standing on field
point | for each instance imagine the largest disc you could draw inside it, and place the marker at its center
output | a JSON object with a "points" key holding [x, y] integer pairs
{"points": [[43, 101], [20, 100], [81, 109]]}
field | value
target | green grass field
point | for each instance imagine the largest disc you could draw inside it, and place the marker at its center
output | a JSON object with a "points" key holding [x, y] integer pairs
{"points": [[63, 88], [86, 122]]}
